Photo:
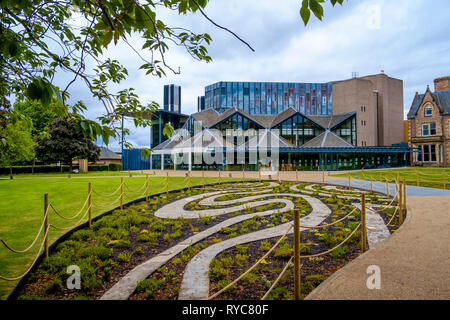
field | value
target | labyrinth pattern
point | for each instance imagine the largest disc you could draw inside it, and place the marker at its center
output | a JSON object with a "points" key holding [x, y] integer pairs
{"points": [[195, 282]]}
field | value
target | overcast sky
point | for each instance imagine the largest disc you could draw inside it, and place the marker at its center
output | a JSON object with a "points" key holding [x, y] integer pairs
{"points": [[408, 39]]}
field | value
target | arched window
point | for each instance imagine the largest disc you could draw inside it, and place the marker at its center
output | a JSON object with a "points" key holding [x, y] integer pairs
{"points": [[428, 110]]}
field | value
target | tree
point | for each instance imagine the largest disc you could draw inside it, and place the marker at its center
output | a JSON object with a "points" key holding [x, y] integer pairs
{"points": [[65, 143], [39, 115], [18, 144], [39, 38]]}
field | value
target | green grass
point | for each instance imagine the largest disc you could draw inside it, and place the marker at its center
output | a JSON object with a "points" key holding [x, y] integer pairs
{"points": [[75, 175], [418, 176], [22, 203]]}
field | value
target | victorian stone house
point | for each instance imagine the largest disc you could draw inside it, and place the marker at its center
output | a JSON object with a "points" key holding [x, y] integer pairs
{"points": [[429, 125]]}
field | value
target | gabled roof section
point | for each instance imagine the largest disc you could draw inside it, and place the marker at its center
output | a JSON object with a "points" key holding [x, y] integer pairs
{"points": [[269, 140], [441, 98], [327, 139], [330, 122], [105, 153], [418, 98], [286, 114], [207, 117]]}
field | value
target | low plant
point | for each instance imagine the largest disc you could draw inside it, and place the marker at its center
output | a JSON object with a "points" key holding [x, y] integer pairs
{"points": [[124, 256]]}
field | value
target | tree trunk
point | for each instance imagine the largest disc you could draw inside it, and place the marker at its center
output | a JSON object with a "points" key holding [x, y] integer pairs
{"points": [[71, 164], [10, 172], [34, 162]]}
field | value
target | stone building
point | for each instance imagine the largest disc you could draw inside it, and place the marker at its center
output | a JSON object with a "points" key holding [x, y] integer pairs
{"points": [[378, 103], [429, 125]]}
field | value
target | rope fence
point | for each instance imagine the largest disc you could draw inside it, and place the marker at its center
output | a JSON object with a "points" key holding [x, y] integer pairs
{"points": [[158, 186], [162, 186]]}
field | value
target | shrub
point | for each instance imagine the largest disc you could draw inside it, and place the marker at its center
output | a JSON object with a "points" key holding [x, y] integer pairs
{"points": [[96, 250], [149, 286], [124, 256], [216, 270], [83, 235], [223, 283], [55, 286], [265, 245], [339, 252], [139, 250], [176, 234]]}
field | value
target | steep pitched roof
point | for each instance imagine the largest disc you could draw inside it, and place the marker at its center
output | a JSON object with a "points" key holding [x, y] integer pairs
{"points": [[327, 139], [442, 99], [105, 153]]}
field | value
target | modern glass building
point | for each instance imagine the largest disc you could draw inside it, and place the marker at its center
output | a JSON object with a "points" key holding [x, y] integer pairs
{"points": [[270, 97], [172, 98]]}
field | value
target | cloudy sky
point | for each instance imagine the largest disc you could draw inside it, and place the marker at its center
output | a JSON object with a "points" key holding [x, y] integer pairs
{"points": [[408, 39]]}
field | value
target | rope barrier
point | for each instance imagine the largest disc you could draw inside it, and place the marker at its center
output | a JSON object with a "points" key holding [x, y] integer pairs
{"points": [[34, 241], [339, 245], [107, 194], [31, 266], [76, 215], [254, 266], [73, 226], [135, 191], [330, 224], [278, 278]]}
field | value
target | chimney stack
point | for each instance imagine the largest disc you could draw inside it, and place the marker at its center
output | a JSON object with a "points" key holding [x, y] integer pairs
{"points": [[442, 84]]}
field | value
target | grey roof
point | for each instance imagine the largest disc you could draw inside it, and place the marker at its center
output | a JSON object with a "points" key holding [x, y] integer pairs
{"points": [[105, 153], [442, 99], [330, 122], [327, 139]]}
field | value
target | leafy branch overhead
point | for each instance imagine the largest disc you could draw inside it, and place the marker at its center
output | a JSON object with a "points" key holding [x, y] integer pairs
{"points": [[40, 39], [314, 6]]}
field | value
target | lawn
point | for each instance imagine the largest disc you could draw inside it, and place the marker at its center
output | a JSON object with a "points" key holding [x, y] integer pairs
{"points": [[22, 203], [423, 177], [74, 175]]}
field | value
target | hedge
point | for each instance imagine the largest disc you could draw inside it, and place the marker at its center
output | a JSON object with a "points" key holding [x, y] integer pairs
{"points": [[57, 169]]}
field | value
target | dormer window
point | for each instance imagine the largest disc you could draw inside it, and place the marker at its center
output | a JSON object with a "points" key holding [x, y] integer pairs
{"points": [[428, 111]]}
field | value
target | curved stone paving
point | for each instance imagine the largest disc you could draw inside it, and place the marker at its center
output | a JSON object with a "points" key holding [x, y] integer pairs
{"points": [[195, 283]]}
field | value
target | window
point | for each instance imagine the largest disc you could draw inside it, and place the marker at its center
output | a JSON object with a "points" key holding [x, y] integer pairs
{"points": [[429, 129], [433, 153], [428, 111], [426, 153], [432, 129]]}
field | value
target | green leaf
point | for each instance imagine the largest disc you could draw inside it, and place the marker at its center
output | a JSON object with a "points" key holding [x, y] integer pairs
{"points": [[107, 38], [304, 12]]}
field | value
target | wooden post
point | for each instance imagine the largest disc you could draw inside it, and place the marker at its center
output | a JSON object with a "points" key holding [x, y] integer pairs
{"points": [[371, 184], [387, 187], [396, 190], [363, 222], [259, 173], [443, 177], [167, 184], [296, 175], [146, 188], [279, 180], [121, 193], [46, 224], [417, 177], [90, 206], [400, 205], [219, 176], [203, 180], [323, 176], [243, 175], [404, 197], [349, 181], [297, 254]]}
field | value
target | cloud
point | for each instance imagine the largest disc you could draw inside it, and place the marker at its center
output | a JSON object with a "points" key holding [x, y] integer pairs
{"points": [[406, 38]]}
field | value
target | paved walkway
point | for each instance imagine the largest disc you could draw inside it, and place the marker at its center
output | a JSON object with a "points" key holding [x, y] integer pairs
{"points": [[414, 262]]}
